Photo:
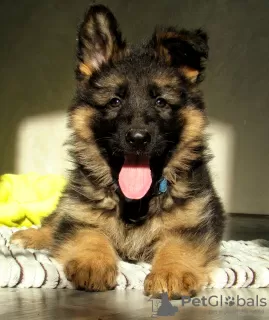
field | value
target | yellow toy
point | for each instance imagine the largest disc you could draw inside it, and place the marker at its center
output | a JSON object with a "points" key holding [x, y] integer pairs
{"points": [[27, 198]]}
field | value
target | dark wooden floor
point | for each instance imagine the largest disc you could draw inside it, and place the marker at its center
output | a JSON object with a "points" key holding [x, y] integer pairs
{"points": [[35, 304], [49, 304]]}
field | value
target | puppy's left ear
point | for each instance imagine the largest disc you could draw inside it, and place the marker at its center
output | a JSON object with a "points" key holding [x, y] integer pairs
{"points": [[99, 41], [184, 50]]}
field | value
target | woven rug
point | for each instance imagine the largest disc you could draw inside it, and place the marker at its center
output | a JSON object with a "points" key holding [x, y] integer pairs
{"points": [[244, 264]]}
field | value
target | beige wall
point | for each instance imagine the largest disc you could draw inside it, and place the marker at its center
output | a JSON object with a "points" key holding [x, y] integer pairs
{"points": [[36, 62]]}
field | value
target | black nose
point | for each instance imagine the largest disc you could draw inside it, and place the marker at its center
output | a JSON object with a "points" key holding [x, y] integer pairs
{"points": [[138, 138]]}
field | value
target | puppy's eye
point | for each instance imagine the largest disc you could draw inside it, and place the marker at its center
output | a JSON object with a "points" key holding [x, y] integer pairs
{"points": [[115, 102], [160, 102]]}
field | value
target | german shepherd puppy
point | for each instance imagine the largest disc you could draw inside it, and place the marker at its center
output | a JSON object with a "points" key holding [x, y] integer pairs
{"points": [[140, 189]]}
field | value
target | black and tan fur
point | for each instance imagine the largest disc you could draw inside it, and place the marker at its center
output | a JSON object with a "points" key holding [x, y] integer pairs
{"points": [[156, 87]]}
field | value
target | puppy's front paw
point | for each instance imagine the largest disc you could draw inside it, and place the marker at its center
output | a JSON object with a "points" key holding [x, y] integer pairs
{"points": [[174, 281], [92, 272]]}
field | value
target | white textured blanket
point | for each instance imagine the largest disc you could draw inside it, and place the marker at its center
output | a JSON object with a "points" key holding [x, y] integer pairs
{"points": [[244, 264]]}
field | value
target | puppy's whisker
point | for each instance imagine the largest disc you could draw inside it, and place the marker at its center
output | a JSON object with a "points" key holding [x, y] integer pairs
{"points": [[102, 138], [79, 192]]}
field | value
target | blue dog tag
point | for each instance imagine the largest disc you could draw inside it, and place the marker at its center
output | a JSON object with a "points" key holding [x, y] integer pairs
{"points": [[163, 185]]}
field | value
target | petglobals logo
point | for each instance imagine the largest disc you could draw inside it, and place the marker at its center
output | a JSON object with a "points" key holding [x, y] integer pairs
{"points": [[164, 307], [223, 301]]}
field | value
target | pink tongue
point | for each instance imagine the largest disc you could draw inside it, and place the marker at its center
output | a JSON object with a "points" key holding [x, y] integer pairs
{"points": [[135, 178]]}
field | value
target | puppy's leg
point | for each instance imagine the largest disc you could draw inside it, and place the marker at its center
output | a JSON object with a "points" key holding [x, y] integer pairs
{"points": [[33, 238], [180, 267], [89, 260], [37, 238]]}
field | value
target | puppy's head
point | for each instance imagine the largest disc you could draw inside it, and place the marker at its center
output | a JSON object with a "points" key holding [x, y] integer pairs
{"points": [[130, 100]]}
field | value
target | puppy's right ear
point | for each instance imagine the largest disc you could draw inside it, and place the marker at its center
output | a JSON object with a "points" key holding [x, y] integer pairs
{"points": [[99, 41], [185, 50]]}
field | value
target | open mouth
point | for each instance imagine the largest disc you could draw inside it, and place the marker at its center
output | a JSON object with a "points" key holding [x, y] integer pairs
{"points": [[135, 177]]}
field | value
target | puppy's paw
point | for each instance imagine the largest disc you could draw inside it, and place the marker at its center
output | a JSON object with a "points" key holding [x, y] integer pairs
{"points": [[175, 282], [92, 272], [32, 238]]}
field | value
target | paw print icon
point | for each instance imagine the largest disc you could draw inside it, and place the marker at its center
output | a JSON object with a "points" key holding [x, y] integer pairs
{"points": [[229, 301]]}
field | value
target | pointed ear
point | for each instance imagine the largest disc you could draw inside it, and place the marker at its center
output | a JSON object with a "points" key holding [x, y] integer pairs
{"points": [[184, 50], [99, 41]]}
